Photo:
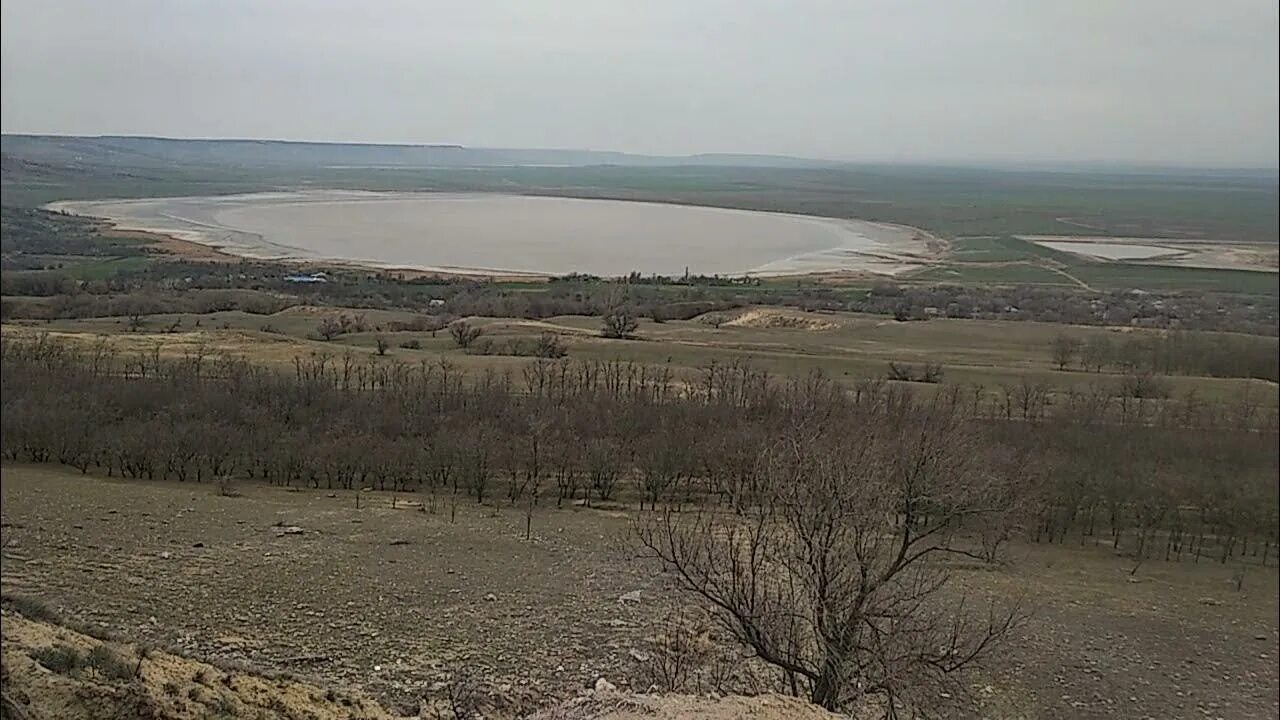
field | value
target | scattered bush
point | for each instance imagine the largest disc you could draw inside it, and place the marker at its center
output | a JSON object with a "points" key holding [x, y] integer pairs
{"points": [[33, 608], [62, 659], [412, 344], [334, 325], [420, 323], [109, 663], [548, 345], [927, 373]]}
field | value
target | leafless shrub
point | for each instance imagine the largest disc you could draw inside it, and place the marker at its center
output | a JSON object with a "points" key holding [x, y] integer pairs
{"points": [[463, 698], [332, 326], [817, 580], [619, 323], [464, 333], [927, 373], [1143, 385], [550, 346]]}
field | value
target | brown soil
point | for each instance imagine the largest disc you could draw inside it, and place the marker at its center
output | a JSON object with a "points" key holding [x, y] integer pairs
{"points": [[396, 601], [169, 245]]}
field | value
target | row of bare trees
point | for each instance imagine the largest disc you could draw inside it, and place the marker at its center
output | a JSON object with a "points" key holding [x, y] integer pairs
{"points": [[1189, 471], [1171, 353]]}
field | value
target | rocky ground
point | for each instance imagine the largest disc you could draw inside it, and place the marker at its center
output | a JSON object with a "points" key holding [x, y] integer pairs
{"points": [[407, 606], [397, 601], [51, 671]]}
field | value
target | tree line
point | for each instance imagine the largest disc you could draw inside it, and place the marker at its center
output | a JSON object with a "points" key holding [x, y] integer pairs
{"points": [[1171, 353], [583, 430]]}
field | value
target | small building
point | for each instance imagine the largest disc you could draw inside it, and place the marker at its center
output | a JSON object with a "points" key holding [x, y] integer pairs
{"points": [[316, 277]]}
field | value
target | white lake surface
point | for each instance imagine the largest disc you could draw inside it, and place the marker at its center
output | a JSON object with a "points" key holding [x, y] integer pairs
{"points": [[1111, 251], [545, 235]]}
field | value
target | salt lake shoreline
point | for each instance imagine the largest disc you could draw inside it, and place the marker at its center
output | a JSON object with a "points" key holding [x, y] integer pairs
{"points": [[894, 249]]}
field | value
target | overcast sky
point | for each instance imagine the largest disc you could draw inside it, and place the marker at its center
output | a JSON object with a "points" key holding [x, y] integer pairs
{"points": [[1190, 82]]}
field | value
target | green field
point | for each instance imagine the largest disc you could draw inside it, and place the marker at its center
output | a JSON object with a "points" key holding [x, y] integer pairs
{"points": [[1010, 274], [1160, 277], [1007, 260]]}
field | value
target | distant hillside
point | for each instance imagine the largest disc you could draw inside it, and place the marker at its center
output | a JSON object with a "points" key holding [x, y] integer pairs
{"points": [[145, 152]]}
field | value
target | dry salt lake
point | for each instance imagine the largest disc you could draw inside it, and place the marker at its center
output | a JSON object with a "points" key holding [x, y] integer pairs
{"points": [[520, 234]]}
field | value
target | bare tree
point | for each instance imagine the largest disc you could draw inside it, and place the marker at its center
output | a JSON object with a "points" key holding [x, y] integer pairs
{"points": [[329, 328], [464, 333], [1064, 348], [619, 323], [381, 344], [1143, 385], [550, 345], [1096, 353], [831, 577], [604, 466]]}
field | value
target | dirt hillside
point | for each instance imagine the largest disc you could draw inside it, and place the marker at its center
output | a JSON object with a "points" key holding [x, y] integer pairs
{"points": [[767, 318], [51, 672]]}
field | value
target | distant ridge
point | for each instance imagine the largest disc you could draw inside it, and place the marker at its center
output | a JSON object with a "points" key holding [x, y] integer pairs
{"points": [[144, 151]]}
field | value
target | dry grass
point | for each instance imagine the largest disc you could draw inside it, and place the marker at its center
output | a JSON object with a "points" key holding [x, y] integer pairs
{"points": [[787, 342], [55, 672], [789, 319]]}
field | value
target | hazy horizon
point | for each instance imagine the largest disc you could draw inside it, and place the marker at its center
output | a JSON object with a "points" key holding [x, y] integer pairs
{"points": [[1143, 84], [977, 164]]}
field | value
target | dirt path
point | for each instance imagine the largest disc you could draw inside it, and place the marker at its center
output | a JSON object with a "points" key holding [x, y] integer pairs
{"points": [[1053, 267]]}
